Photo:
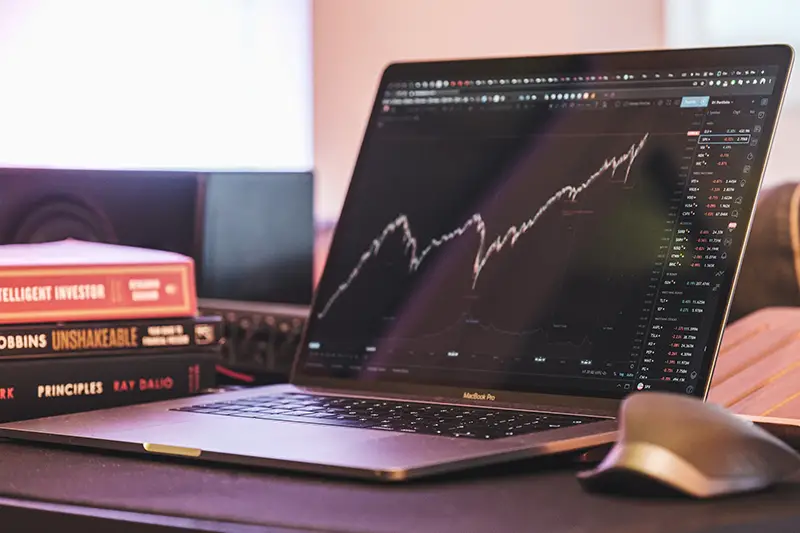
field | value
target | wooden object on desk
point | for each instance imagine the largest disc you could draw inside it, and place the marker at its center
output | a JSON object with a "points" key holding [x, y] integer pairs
{"points": [[758, 368]]}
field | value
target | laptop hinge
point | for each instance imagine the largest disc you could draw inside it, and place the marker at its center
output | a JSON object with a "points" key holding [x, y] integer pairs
{"points": [[543, 406]]}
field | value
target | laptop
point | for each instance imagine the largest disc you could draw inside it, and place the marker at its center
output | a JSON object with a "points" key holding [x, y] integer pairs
{"points": [[525, 242]]}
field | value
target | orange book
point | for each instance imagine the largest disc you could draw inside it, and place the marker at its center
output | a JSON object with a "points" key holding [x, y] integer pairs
{"points": [[75, 280]]}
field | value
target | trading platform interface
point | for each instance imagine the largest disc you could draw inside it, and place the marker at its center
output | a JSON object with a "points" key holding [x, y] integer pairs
{"points": [[556, 234]]}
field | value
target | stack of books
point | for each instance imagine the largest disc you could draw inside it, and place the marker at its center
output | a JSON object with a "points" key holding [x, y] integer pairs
{"points": [[88, 326]]}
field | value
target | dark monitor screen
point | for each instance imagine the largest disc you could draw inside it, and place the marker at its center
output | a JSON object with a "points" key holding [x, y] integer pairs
{"points": [[546, 227], [257, 237]]}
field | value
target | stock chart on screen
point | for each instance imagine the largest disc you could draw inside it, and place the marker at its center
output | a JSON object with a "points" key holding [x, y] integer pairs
{"points": [[536, 237]]}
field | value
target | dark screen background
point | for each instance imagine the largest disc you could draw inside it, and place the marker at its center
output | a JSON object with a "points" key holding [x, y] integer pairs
{"points": [[556, 311]]}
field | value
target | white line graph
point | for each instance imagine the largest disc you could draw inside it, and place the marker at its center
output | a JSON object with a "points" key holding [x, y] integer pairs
{"points": [[476, 223]]}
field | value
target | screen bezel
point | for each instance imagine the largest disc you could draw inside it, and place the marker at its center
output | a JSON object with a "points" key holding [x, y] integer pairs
{"points": [[695, 58]]}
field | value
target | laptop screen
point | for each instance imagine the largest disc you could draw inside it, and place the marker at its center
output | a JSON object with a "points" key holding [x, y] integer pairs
{"points": [[563, 232]]}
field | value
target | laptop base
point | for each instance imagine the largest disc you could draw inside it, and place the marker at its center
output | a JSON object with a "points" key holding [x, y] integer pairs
{"points": [[157, 429]]}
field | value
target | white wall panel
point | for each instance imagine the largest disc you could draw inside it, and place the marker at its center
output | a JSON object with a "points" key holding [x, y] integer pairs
{"points": [[175, 84]]}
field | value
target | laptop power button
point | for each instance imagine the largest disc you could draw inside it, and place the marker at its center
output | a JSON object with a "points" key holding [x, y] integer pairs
{"points": [[166, 449]]}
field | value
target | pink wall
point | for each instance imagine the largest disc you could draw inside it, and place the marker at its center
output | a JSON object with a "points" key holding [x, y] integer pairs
{"points": [[355, 39]]}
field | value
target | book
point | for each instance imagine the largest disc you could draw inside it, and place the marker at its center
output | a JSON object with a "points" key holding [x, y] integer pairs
{"points": [[48, 387], [106, 338], [76, 280]]}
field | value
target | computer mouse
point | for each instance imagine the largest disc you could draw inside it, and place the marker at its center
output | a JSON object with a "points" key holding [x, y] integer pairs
{"points": [[671, 444]]}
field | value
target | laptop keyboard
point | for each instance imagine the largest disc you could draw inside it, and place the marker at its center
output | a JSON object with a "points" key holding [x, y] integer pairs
{"points": [[406, 417]]}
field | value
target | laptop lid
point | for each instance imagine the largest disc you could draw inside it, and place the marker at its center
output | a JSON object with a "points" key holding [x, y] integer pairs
{"points": [[567, 228]]}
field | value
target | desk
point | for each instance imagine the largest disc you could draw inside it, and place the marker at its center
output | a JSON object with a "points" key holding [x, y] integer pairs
{"points": [[537, 495]]}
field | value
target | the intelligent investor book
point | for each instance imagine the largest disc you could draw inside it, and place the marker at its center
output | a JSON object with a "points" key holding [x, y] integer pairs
{"points": [[74, 280]]}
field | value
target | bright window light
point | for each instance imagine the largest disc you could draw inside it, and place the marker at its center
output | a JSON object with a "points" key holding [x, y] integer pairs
{"points": [[167, 84]]}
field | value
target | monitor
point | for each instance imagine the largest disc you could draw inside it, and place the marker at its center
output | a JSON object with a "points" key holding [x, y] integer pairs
{"points": [[566, 225]]}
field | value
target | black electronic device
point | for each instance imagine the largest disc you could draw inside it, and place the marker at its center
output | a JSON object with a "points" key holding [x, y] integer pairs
{"points": [[549, 226], [261, 339], [257, 237], [148, 209], [251, 233]]}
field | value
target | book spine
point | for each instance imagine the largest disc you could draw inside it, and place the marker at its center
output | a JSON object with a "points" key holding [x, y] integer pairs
{"points": [[113, 292], [34, 389], [132, 337]]}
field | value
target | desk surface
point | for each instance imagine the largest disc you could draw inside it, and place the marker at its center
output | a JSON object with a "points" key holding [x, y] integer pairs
{"points": [[539, 495]]}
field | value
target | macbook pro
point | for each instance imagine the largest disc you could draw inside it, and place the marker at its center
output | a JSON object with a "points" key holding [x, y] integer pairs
{"points": [[525, 242]]}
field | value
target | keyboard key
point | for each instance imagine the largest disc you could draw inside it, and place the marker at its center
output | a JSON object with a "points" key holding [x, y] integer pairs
{"points": [[400, 417]]}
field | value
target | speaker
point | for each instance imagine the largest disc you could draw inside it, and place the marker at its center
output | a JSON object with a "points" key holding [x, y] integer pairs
{"points": [[150, 209], [251, 234]]}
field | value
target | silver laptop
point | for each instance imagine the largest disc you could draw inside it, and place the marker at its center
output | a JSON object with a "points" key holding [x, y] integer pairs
{"points": [[525, 241]]}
